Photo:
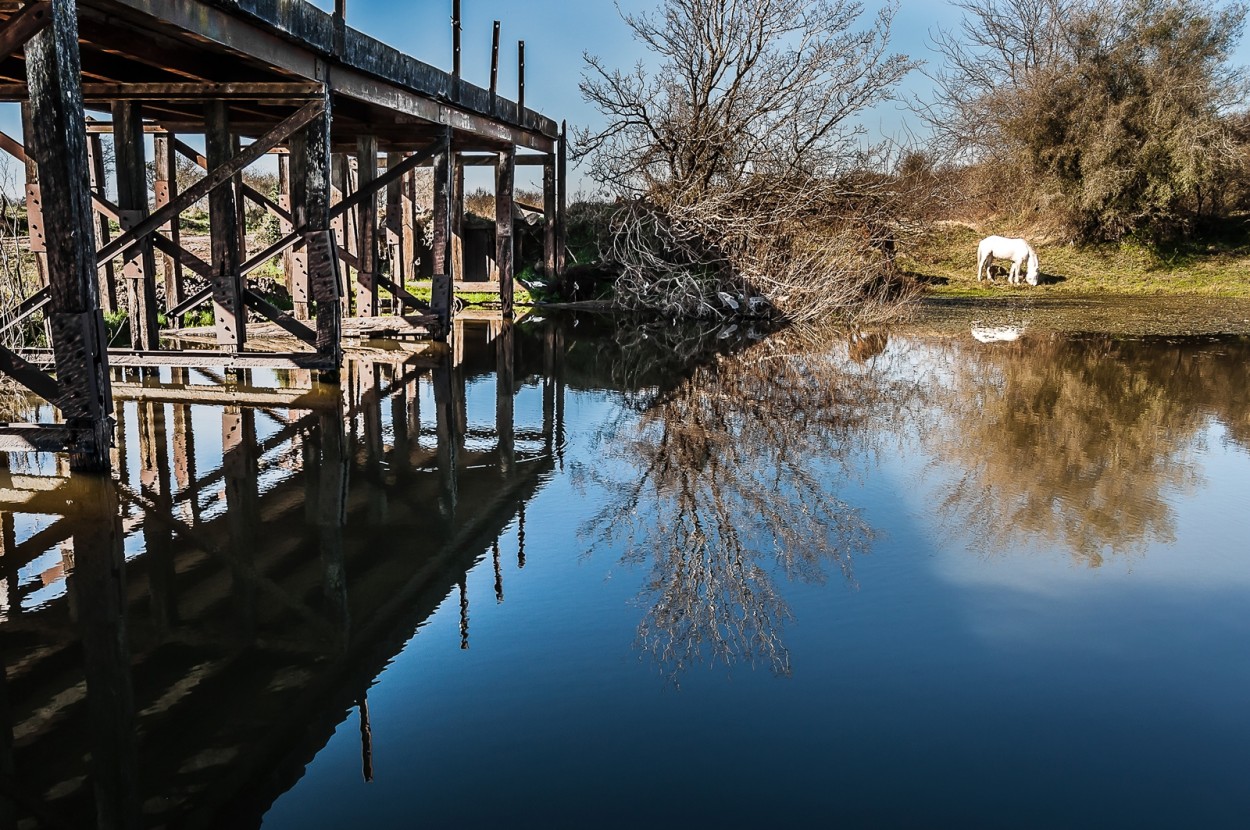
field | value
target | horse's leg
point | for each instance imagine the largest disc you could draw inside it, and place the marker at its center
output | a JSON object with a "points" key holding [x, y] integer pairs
{"points": [[1014, 276], [980, 265]]}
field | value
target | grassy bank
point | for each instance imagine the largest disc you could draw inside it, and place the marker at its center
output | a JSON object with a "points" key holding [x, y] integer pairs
{"points": [[945, 258]]}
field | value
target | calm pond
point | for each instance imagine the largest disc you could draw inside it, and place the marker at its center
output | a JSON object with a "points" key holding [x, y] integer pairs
{"points": [[578, 574]]}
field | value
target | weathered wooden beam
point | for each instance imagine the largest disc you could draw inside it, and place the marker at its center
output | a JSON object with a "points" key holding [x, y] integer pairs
{"points": [[227, 282], [294, 264], [367, 226], [29, 21], [402, 295], [29, 375], [216, 177], [550, 201], [277, 315], [505, 249], [444, 174], [184, 259], [310, 207], [58, 144], [139, 267], [26, 308], [268, 93], [231, 393], [562, 198], [395, 224], [494, 64], [203, 295], [99, 186], [520, 74], [12, 146], [166, 187]]}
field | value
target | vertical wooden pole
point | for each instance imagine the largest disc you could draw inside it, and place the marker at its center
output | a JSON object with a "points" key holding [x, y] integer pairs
{"points": [[494, 66], [228, 310], [457, 217], [442, 290], [410, 243], [395, 227], [166, 189], [34, 202], [448, 435], [58, 145], [455, 45], [139, 261], [562, 200], [99, 182], [294, 271], [155, 484], [310, 195], [505, 185], [367, 218], [550, 202], [238, 443], [520, 61]]}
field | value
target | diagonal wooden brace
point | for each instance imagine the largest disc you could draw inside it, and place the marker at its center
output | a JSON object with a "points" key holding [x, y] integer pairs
{"points": [[22, 26], [215, 178]]}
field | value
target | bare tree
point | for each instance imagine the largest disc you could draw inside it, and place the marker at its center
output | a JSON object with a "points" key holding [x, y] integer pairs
{"points": [[731, 158]]}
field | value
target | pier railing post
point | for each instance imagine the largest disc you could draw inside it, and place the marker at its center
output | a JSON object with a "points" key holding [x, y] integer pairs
{"points": [[58, 143]]}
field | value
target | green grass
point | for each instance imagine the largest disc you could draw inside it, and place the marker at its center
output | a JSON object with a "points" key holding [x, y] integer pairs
{"points": [[1219, 266], [422, 292]]}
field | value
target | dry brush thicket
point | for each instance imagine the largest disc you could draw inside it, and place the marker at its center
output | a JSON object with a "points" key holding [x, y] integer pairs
{"points": [[1097, 118], [735, 165]]}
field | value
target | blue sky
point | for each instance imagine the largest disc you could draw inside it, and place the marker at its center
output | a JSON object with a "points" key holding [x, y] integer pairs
{"points": [[556, 33]]}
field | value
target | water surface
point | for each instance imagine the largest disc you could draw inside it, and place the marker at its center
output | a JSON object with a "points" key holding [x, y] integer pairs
{"points": [[591, 575]]}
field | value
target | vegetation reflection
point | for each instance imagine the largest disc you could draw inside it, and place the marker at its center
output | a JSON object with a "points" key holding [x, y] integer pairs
{"points": [[1082, 443], [729, 483]]}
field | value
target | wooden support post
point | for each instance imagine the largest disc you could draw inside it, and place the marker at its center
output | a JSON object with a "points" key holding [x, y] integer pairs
{"points": [[457, 218], [227, 281], [58, 143], [413, 240], [549, 385], [34, 202], [238, 443], [443, 288], [99, 186], [550, 212], [505, 251], [294, 262], [310, 197], [332, 479], [343, 222], [154, 484], [139, 261], [395, 227], [166, 187], [367, 228], [561, 200], [240, 203]]}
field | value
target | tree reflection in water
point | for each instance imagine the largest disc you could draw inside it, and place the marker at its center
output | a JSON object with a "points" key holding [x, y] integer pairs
{"points": [[1080, 442], [729, 483]]}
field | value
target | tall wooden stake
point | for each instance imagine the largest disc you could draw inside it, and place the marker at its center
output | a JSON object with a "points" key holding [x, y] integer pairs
{"points": [[367, 234]]}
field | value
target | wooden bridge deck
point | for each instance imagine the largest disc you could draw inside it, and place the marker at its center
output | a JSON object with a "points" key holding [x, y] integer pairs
{"points": [[350, 120]]}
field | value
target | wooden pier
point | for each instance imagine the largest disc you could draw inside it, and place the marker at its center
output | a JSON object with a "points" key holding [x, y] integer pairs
{"points": [[351, 121]]}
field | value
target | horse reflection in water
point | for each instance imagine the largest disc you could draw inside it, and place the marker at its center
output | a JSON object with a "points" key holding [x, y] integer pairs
{"points": [[733, 475]]}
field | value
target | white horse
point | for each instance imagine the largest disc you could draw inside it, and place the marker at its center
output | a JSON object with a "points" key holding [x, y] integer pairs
{"points": [[1016, 250]]}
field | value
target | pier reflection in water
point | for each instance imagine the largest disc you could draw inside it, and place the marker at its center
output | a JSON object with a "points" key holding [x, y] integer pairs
{"points": [[817, 517]]}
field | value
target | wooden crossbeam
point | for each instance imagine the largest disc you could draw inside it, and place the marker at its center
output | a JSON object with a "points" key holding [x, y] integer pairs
{"points": [[27, 307], [286, 321], [227, 395], [213, 180], [189, 260], [13, 147], [401, 293], [29, 375], [381, 182], [190, 153], [22, 26], [174, 92], [191, 302], [272, 251]]}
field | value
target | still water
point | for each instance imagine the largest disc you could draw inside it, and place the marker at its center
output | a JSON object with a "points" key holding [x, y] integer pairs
{"points": [[588, 575]]}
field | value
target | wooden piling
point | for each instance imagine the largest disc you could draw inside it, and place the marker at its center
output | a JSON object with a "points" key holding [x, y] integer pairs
{"points": [[58, 144], [227, 284], [505, 181], [139, 260], [367, 228]]}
